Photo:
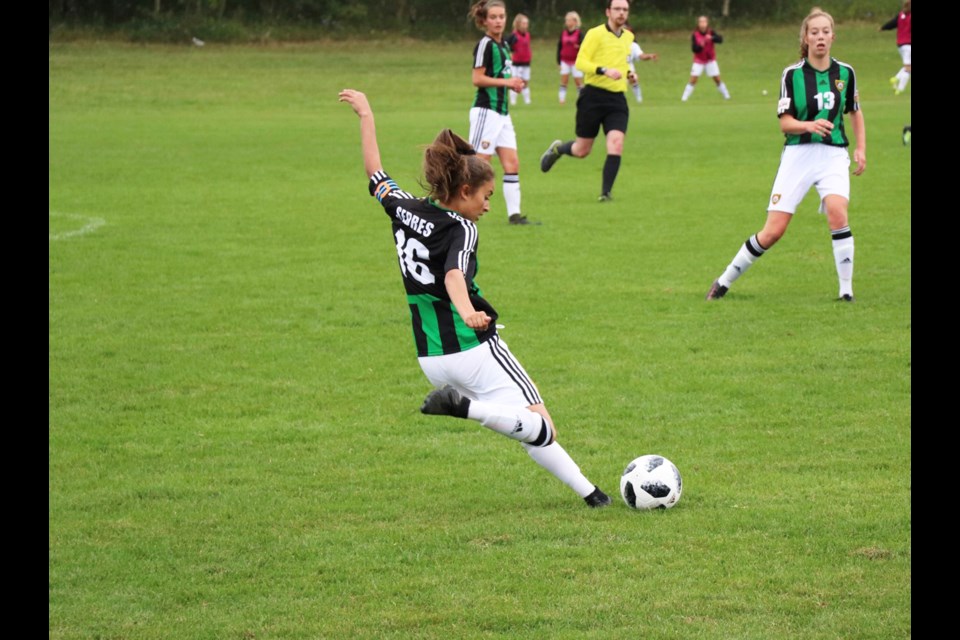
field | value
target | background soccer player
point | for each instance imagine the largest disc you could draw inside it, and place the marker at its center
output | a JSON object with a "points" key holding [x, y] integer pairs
{"points": [[491, 128], [454, 326], [901, 22], [702, 42], [568, 46], [636, 55], [603, 60], [522, 55], [814, 95]]}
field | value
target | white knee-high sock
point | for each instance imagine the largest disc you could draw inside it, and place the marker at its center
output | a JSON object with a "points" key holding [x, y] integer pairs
{"points": [[511, 192], [562, 94], [903, 76], [557, 461], [637, 92], [526, 95], [513, 97], [746, 256], [843, 256], [722, 88], [516, 423], [687, 90]]}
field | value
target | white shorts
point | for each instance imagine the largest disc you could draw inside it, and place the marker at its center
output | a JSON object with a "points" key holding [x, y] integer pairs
{"points": [[712, 69], [490, 131], [566, 69], [904, 50], [803, 166], [488, 372], [521, 71]]}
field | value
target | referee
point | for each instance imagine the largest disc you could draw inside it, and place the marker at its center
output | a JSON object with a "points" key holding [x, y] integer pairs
{"points": [[603, 60]]}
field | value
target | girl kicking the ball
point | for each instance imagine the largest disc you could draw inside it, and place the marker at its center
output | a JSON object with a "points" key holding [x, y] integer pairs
{"points": [[454, 326], [815, 93]]}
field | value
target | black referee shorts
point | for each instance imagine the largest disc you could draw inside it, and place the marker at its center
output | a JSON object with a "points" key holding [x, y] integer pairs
{"points": [[596, 107]]}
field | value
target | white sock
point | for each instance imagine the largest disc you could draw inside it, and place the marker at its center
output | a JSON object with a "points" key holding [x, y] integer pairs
{"points": [[637, 92], [557, 461], [746, 256], [562, 95], [511, 192], [722, 88], [843, 256], [516, 423], [526, 95], [904, 77], [513, 97], [687, 90]]}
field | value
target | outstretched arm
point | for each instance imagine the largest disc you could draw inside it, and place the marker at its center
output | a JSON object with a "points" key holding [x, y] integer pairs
{"points": [[368, 129]]}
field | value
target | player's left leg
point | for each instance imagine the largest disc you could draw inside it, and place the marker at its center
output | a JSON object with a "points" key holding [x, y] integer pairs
{"points": [[842, 240], [713, 70]]}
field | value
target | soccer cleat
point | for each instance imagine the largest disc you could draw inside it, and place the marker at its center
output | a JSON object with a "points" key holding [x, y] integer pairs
{"points": [[605, 197], [717, 291], [845, 298], [597, 499], [445, 402], [518, 218], [550, 156], [906, 135]]}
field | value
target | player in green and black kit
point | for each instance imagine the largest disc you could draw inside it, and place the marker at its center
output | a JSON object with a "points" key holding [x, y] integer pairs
{"points": [[815, 93], [454, 327], [491, 128]]}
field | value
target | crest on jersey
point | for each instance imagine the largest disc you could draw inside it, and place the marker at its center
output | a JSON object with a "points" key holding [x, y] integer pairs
{"points": [[775, 199], [840, 84], [485, 144]]}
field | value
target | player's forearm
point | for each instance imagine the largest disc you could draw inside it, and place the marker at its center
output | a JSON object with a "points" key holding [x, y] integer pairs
{"points": [[792, 126], [456, 284], [368, 143], [859, 127]]}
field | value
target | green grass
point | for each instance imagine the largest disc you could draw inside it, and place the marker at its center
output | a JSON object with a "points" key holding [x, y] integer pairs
{"points": [[235, 449]]}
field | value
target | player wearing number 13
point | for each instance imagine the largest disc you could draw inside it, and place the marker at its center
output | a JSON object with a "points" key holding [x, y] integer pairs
{"points": [[454, 327], [815, 93]]}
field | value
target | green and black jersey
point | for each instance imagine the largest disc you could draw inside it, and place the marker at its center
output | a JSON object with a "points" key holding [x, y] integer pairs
{"points": [[494, 57], [809, 94], [430, 241]]}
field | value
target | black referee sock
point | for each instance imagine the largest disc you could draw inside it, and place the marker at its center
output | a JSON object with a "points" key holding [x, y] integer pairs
{"points": [[566, 149], [610, 169]]}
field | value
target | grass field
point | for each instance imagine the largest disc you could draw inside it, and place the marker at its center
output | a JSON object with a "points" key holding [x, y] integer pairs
{"points": [[235, 449]]}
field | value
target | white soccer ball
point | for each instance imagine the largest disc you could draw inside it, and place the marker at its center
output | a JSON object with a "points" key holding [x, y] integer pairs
{"points": [[764, 92], [651, 482]]}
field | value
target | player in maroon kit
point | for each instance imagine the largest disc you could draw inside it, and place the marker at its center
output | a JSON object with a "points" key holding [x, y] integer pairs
{"points": [[702, 41], [521, 55], [568, 46], [901, 22]]}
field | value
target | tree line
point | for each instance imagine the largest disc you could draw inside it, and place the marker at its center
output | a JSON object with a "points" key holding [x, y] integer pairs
{"points": [[408, 15]]}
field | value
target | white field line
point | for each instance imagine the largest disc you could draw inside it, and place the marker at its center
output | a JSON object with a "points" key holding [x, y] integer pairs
{"points": [[87, 225]]}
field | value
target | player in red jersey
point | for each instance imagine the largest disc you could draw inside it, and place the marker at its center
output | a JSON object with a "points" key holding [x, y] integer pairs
{"points": [[568, 46], [702, 42], [521, 55], [901, 22]]}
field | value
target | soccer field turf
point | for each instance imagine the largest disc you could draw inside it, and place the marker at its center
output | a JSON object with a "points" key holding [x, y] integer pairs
{"points": [[235, 449]]}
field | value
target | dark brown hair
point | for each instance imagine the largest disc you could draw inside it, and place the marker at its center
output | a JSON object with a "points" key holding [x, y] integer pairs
{"points": [[451, 162], [479, 12]]}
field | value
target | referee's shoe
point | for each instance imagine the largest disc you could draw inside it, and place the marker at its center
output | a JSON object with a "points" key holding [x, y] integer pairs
{"points": [[550, 156]]}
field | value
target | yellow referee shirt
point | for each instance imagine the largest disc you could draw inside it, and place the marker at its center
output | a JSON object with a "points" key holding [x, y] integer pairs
{"points": [[602, 48]]}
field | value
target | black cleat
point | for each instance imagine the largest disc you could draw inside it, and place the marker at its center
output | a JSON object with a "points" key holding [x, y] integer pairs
{"points": [[906, 135], [717, 291], [445, 402], [519, 218], [597, 499], [845, 298], [550, 156]]}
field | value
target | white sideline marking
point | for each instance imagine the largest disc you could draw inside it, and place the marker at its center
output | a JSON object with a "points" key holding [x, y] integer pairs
{"points": [[91, 223]]}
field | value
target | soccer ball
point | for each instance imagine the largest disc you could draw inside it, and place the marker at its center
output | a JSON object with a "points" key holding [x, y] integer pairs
{"points": [[651, 482]]}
